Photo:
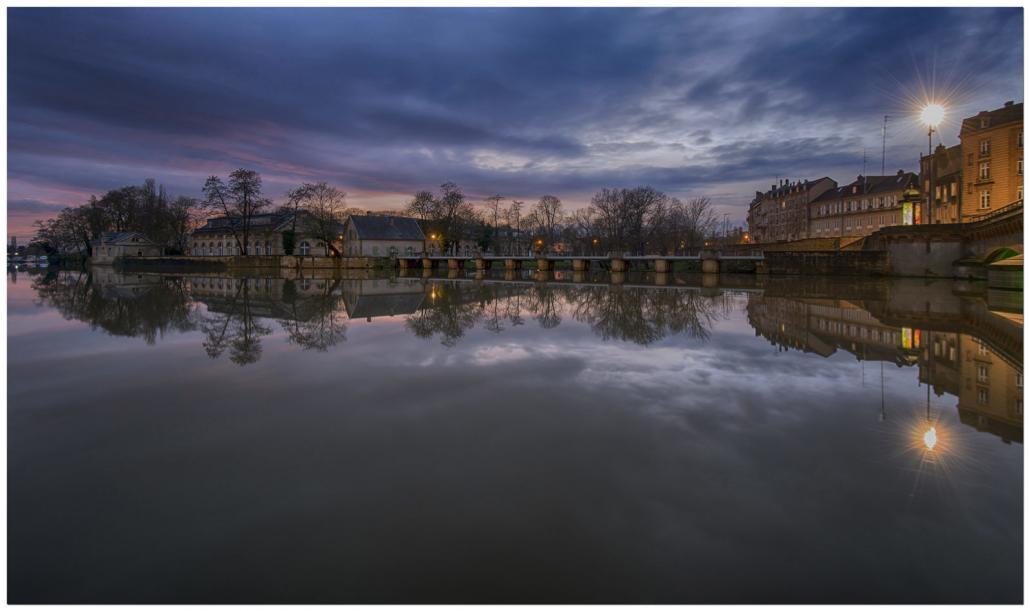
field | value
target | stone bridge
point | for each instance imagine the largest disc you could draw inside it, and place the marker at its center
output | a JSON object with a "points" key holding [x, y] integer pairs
{"points": [[951, 249], [545, 262]]}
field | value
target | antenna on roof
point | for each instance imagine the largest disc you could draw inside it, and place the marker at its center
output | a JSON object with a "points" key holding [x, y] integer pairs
{"points": [[883, 153]]}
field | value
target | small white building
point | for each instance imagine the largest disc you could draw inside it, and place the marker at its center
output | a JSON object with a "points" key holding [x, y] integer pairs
{"points": [[374, 235], [114, 244]]}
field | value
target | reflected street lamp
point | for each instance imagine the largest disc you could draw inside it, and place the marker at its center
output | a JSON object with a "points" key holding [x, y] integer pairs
{"points": [[931, 116]]}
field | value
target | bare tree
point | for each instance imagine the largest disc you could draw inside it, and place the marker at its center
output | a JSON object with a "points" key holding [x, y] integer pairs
{"points": [[493, 204], [698, 221], [325, 206], [239, 201], [548, 212], [423, 205]]}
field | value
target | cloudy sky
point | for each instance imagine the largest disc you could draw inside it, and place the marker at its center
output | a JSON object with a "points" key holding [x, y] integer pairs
{"points": [[521, 102]]}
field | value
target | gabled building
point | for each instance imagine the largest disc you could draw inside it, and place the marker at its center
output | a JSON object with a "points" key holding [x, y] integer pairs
{"points": [[946, 163], [782, 213], [378, 235], [221, 236], [866, 205], [992, 147], [114, 244]]}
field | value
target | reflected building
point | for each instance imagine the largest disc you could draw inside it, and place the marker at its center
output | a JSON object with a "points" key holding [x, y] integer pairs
{"points": [[987, 385]]}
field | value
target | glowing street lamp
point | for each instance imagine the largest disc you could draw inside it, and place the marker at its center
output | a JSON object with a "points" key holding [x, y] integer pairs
{"points": [[931, 116]]}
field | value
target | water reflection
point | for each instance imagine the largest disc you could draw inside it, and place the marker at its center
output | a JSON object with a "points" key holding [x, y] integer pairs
{"points": [[357, 438], [960, 345]]}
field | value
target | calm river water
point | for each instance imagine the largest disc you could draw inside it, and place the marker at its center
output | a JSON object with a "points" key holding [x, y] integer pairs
{"points": [[573, 438]]}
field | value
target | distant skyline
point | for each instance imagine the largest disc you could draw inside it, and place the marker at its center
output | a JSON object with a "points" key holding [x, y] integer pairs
{"points": [[520, 102]]}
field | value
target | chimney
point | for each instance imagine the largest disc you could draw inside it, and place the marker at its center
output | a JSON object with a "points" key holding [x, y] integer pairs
{"points": [[1009, 103], [901, 172]]}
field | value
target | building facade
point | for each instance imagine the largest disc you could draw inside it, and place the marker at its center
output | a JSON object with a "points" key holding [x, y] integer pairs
{"points": [[379, 235], [946, 164], [866, 205], [222, 236], [781, 214], [992, 150], [115, 244]]}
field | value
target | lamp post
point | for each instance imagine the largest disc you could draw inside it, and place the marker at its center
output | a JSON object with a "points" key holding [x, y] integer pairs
{"points": [[931, 116]]}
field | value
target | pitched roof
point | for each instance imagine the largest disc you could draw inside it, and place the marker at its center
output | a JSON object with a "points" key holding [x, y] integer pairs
{"points": [[871, 185], [221, 223], [383, 227], [372, 306], [1009, 113], [121, 237]]}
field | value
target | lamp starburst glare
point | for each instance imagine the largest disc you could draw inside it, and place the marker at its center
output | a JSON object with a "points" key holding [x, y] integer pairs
{"points": [[932, 114]]}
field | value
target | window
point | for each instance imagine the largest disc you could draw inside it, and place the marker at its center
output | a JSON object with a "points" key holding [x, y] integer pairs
{"points": [[985, 170], [1019, 140], [375, 251], [305, 249], [985, 146], [1019, 193], [981, 373], [985, 200], [981, 396], [1019, 380], [954, 189], [268, 248], [1019, 167]]}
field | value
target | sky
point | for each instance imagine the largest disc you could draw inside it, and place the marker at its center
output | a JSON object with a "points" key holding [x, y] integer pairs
{"points": [[517, 102]]}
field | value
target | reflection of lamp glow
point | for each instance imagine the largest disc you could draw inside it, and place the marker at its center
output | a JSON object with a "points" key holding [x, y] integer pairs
{"points": [[930, 438]]}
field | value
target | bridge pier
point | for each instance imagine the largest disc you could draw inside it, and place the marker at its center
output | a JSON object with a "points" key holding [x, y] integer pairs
{"points": [[482, 264], [580, 265], [453, 263], [662, 266], [543, 265], [710, 266], [512, 264], [427, 263], [618, 265], [403, 263]]}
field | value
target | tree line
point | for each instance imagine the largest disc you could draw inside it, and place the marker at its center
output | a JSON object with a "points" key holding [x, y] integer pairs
{"points": [[642, 219]]}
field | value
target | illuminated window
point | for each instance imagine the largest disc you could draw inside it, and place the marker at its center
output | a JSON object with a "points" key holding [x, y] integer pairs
{"points": [[985, 200], [985, 170], [981, 373], [985, 146], [305, 249]]}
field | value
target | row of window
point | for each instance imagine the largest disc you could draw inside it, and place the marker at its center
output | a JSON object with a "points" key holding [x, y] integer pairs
{"points": [[857, 205], [229, 249]]}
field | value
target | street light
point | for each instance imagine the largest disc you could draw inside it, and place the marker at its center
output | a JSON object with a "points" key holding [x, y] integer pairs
{"points": [[931, 116]]}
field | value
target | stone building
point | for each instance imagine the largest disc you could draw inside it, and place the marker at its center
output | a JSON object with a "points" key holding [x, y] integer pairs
{"points": [[866, 205], [782, 212], [947, 182], [992, 147], [221, 236], [991, 392], [114, 244], [375, 235]]}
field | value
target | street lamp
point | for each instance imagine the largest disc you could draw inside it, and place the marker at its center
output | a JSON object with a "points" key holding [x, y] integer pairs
{"points": [[931, 116]]}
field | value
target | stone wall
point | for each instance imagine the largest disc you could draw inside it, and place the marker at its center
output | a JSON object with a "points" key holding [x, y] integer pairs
{"points": [[843, 263]]}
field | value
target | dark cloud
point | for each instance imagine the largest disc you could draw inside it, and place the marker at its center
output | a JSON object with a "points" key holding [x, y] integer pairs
{"points": [[518, 101]]}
